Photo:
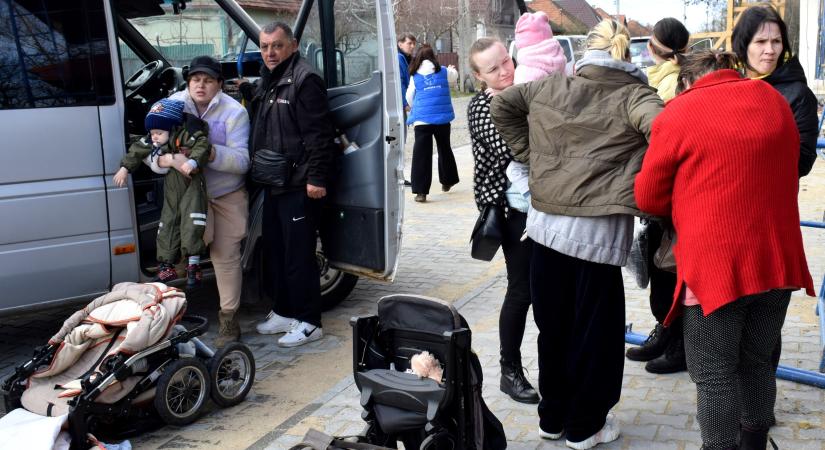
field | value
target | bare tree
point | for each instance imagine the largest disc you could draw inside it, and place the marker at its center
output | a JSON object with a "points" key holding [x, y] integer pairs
{"points": [[426, 19]]}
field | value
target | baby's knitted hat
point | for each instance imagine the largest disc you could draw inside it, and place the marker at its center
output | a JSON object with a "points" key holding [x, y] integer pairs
{"points": [[164, 115], [532, 28]]}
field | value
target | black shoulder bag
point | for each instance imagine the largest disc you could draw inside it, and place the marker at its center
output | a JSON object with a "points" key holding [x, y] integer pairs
{"points": [[487, 233]]}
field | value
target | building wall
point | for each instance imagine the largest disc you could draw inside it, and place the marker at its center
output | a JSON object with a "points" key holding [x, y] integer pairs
{"points": [[810, 20]]}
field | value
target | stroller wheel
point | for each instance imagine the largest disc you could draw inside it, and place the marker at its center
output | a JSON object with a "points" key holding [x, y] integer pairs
{"points": [[232, 370], [182, 390]]}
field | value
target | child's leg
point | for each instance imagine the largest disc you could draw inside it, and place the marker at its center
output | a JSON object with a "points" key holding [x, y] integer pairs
{"points": [[168, 241], [193, 218]]}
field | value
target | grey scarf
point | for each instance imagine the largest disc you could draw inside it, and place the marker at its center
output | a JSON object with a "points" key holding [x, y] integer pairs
{"points": [[603, 58]]}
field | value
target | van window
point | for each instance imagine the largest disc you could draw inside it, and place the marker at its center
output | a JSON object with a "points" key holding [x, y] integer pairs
{"points": [[565, 46], [201, 29], [54, 53], [356, 42]]}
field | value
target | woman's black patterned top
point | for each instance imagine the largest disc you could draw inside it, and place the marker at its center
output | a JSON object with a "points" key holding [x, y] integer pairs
{"points": [[491, 154]]}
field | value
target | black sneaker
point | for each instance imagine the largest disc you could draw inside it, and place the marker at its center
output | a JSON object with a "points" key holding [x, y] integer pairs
{"points": [[653, 347]]}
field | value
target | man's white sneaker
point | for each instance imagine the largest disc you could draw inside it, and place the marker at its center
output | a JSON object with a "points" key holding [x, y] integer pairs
{"points": [[609, 433], [274, 324], [300, 334]]}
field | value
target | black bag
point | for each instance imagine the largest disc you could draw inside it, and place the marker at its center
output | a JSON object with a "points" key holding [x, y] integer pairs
{"points": [[487, 233], [271, 168], [664, 257]]}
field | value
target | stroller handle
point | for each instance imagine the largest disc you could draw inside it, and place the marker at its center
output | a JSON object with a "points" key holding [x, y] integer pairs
{"points": [[197, 325]]}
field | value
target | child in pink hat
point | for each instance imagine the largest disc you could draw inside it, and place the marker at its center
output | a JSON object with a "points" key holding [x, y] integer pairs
{"points": [[539, 55]]}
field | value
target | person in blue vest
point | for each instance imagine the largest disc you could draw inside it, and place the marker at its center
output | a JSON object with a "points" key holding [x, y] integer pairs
{"points": [[430, 114]]}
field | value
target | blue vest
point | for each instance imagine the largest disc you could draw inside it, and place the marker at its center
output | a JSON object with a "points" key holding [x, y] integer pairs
{"points": [[432, 104]]}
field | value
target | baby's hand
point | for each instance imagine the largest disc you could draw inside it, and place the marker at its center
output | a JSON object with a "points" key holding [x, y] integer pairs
{"points": [[120, 177], [187, 168]]}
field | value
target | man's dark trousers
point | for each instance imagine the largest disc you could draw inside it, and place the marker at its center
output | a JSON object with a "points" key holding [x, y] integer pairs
{"points": [[290, 267]]}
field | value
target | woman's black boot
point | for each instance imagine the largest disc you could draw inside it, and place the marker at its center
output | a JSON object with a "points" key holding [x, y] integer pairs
{"points": [[653, 347], [514, 384], [754, 439]]}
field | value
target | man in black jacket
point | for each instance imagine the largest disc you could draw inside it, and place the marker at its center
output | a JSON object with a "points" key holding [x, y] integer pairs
{"points": [[291, 117]]}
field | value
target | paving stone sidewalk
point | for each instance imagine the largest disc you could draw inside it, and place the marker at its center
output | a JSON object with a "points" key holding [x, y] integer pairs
{"points": [[656, 412]]}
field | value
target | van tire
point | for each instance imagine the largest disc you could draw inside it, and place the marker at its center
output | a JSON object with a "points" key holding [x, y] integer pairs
{"points": [[335, 285], [336, 292]]}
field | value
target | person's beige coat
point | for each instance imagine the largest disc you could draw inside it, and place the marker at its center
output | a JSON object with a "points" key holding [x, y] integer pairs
{"points": [[584, 137]]}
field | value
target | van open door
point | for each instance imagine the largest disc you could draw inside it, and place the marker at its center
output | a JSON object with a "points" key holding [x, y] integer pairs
{"points": [[353, 46]]}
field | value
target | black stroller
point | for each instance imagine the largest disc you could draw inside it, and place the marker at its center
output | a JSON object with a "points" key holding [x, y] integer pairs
{"points": [[421, 412], [116, 381]]}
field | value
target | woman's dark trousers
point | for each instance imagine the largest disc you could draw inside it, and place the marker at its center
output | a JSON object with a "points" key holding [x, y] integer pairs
{"points": [[579, 309], [662, 282], [422, 160], [513, 315], [729, 358]]}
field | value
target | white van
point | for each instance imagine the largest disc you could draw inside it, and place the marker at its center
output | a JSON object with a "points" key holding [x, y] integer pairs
{"points": [[76, 80], [572, 45]]}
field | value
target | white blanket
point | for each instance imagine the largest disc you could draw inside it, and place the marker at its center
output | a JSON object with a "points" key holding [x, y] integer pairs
{"points": [[23, 429]]}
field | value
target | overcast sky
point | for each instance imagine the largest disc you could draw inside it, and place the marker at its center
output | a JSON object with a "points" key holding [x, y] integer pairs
{"points": [[648, 11]]}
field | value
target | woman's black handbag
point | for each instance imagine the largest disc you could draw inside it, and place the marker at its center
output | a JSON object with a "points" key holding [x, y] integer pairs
{"points": [[487, 233], [271, 168]]}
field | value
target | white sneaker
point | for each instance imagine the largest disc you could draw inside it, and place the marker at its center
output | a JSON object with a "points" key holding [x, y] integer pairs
{"points": [[609, 433], [553, 436], [274, 324], [300, 334]]}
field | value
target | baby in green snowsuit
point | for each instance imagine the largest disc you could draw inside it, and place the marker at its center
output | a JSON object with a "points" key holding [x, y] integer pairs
{"points": [[183, 218]]}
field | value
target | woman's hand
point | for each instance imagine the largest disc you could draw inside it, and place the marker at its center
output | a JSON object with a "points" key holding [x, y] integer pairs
{"points": [[166, 160]]}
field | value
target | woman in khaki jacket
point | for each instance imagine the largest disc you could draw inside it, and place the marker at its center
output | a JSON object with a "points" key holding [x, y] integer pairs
{"points": [[584, 138]]}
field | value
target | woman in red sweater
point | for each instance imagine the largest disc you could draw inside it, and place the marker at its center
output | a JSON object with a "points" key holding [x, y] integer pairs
{"points": [[722, 164]]}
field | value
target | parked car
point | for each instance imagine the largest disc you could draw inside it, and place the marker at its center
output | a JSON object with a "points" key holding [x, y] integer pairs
{"points": [[572, 45], [78, 79], [639, 53]]}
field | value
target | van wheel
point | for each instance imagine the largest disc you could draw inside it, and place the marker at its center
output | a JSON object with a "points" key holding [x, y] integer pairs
{"points": [[336, 285]]}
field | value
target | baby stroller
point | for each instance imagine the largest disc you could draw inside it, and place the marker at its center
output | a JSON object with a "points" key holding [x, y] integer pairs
{"points": [[421, 412], [125, 364]]}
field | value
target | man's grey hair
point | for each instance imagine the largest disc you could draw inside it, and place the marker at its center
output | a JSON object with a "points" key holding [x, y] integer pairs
{"points": [[278, 25]]}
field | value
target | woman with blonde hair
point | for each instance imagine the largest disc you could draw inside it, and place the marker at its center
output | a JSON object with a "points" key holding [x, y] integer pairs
{"points": [[494, 68], [584, 138]]}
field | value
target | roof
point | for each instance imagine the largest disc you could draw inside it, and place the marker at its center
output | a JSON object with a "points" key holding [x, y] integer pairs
{"points": [[581, 10], [272, 5], [561, 21], [637, 29]]}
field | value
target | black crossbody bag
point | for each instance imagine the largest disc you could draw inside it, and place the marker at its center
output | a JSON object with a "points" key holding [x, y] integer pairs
{"points": [[271, 168]]}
